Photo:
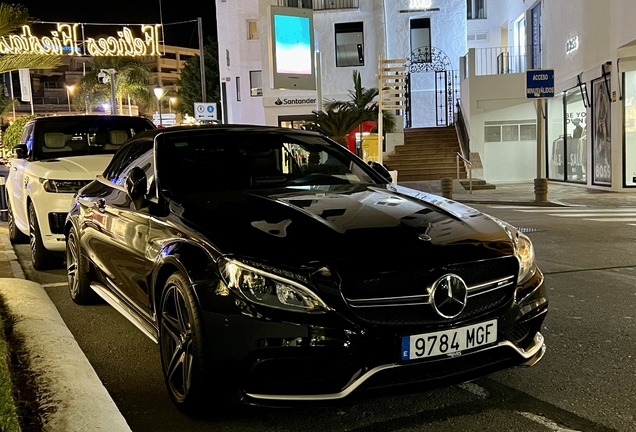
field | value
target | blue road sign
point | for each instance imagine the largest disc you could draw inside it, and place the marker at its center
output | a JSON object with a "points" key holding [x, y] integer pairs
{"points": [[540, 83]]}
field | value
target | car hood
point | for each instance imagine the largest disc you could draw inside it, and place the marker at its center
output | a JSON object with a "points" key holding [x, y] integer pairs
{"points": [[346, 225], [71, 168]]}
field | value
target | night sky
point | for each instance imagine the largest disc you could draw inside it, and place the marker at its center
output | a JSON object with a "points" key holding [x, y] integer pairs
{"points": [[132, 12]]}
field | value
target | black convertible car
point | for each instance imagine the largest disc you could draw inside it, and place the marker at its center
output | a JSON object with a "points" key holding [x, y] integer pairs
{"points": [[272, 265]]}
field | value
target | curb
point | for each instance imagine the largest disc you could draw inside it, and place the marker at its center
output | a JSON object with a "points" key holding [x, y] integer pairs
{"points": [[78, 399]]}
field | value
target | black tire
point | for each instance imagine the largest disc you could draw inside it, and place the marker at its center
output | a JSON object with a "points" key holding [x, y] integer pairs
{"points": [[181, 346], [41, 257], [15, 235], [78, 280]]}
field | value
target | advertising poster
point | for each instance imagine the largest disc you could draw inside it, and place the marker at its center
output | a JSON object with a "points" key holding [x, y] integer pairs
{"points": [[601, 138], [293, 45]]}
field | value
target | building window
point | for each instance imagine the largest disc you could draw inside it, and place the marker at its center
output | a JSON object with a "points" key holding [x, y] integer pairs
{"points": [[349, 44], [238, 89], [227, 57], [476, 9], [510, 131], [256, 83], [421, 37], [252, 30]]}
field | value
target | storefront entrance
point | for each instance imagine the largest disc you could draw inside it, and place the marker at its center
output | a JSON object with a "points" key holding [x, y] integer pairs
{"points": [[566, 147]]}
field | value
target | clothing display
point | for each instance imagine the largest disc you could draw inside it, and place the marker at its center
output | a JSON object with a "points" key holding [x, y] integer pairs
{"points": [[558, 150]]}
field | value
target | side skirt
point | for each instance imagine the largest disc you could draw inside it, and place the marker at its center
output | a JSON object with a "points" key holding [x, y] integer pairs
{"points": [[129, 313]]}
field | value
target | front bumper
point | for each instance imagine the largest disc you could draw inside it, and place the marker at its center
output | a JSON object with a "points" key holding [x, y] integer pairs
{"points": [[51, 210], [273, 361], [501, 356]]}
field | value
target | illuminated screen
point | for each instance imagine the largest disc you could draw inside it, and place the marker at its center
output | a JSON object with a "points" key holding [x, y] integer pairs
{"points": [[293, 45]]}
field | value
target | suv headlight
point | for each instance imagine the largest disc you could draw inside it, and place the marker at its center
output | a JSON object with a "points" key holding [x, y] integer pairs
{"points": [[524, 251], [63, 186], [267, 289]]}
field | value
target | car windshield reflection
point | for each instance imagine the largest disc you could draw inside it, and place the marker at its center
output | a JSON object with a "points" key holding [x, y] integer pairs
{"points": [[195, 163]]}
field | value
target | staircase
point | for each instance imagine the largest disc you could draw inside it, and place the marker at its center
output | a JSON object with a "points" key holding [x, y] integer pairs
{"points": [[427, 154]]}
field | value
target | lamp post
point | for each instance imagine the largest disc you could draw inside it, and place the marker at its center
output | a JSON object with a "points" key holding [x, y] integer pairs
{"points": [[159, 95], [69, 90], [172, 100]]}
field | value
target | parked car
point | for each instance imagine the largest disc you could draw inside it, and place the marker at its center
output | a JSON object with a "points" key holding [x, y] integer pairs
{"points": [[58, 156], [273, 265]]}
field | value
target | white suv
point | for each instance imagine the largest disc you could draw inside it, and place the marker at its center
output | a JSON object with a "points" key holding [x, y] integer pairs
{"points": [[57, 157]]}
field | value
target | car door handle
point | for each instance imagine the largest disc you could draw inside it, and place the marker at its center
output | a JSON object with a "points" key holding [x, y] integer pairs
{"points": [[101, 205]]}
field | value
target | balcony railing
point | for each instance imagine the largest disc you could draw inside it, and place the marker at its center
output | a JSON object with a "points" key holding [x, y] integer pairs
{"points": [[503, 60], [318, 5]]}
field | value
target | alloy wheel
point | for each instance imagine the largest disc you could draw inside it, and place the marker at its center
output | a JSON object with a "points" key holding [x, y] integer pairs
{"points": [[176, 342], [72, 265], [33, 233]]}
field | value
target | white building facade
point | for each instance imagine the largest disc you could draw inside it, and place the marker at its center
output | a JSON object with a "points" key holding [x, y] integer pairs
{"points": [[392, 29], [589, 134]]}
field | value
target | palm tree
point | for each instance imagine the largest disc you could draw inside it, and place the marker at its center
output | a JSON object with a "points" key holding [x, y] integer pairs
{"points": [[131, 81], [338, 121], [12, 18], [363, 98], [339, 118]]}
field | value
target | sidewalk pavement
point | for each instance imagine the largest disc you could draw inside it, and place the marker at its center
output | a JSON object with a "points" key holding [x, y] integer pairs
{"points": [[72, 394], [70, 386]]}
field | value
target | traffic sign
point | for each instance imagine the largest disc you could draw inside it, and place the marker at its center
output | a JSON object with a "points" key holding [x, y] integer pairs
{"points": [[205, 111], [539, 83]]}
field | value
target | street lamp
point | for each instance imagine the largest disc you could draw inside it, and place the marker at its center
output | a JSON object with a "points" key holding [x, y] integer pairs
{"points": [[172, 100], [159, 93], [69, 90]]}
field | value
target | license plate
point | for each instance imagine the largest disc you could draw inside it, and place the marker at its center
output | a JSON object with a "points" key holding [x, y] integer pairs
{"points": [[449, 341]]}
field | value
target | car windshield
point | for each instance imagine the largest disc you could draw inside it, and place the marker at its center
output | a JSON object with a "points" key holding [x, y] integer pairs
{"points": [[195, 163], [77, 136]]}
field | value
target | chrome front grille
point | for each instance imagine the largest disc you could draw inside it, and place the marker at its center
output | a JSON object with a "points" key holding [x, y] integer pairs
{"points": [[402, 297]]}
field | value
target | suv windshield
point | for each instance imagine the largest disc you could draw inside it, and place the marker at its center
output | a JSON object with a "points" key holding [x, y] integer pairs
{"points": [[195, 163], [76, 136]]}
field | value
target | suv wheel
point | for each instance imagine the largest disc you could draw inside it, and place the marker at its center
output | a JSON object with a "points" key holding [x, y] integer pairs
{"points": [[41, 257], [15, 235]]}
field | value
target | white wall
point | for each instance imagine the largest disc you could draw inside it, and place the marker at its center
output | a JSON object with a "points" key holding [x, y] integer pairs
{"points": [[506, 162], [245, 56]]}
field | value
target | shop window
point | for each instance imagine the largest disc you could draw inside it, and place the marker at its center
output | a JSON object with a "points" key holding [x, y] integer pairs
{"points": [[256, 83], [601, 133], [421, 37], [252, 30], [476, 9], [629, 101], [349, 44]]}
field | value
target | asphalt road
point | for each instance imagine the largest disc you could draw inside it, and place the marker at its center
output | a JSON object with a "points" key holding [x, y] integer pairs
{"points": [[586, 382]]}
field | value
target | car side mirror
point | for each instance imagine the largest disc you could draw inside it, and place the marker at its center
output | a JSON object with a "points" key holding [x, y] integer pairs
{"points": [[137, 183], [20, 151], [380, 169]]}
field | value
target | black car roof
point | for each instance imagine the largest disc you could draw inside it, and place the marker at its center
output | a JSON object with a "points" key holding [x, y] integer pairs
{"points": [[223, 128]]}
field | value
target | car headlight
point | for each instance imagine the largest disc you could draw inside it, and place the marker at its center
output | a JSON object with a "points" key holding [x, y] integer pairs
{"points": [[63, 186], [267, 289], [524, 251]]}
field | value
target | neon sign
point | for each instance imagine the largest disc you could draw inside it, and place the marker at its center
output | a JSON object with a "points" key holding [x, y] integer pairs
{"points": [[64, 40]]}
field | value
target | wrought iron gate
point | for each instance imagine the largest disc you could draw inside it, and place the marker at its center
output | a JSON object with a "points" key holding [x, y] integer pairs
{"points": [[430, 59]]}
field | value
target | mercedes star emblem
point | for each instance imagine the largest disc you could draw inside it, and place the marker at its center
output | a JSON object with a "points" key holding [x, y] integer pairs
{"points": [[449, 296]]}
